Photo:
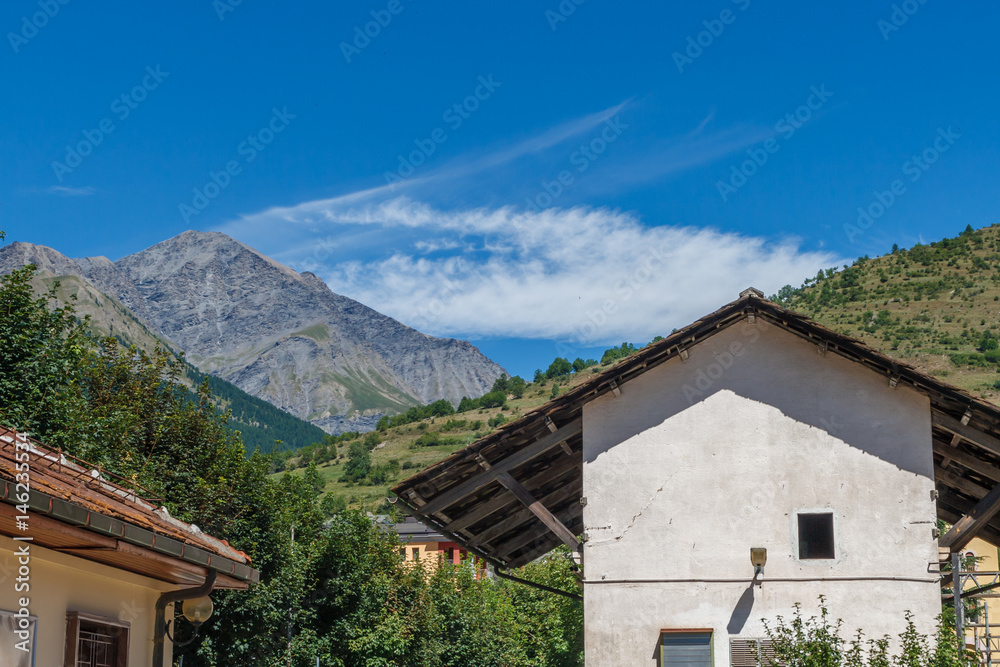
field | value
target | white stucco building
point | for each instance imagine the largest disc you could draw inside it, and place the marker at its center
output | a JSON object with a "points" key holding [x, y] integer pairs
{"points": [[89, 569], [753, 428]]}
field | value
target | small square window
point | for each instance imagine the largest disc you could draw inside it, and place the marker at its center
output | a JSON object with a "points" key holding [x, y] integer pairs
{"points": [[816, 536]]}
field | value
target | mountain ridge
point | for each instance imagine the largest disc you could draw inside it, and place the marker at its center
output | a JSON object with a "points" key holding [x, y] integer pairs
{"points": [[279, 335]]}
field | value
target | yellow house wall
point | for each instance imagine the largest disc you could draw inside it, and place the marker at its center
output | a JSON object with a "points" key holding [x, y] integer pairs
{"points": [[428, 552], [61, 583], [988, 562]]}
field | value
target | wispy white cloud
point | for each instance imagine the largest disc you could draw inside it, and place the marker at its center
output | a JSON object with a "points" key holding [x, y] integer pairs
{"points": [[70, 192], [589, 276], [586, 275]]}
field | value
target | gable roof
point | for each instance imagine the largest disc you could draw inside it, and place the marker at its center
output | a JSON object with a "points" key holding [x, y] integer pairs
{"points": [[466, 498], [80, 510]]}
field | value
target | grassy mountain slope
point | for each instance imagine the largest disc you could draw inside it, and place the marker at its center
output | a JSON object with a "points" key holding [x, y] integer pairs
{"points": [[403, 450], [936, 307], [259, 422]]}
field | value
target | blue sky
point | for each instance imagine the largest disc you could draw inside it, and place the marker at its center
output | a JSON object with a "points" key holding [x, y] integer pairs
{"points": [[541, 178]]}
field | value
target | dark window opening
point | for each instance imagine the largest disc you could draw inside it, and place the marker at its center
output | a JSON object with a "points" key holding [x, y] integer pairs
{"points": [[816, 536]]}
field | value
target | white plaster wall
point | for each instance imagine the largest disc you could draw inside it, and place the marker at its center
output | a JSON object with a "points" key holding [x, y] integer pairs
{"points": [[698, 461], [61, 583]]}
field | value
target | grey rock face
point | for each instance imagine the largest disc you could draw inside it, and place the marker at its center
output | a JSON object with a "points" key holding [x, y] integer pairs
{"points": [[277, 334]]}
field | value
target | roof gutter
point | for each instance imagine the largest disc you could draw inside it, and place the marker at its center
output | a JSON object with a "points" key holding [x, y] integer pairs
{"points": [[160, 623], [81, 517]]}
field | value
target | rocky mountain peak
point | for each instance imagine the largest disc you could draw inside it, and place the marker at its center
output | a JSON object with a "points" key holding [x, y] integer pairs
{"points": [[18, 254], [277, 334]]}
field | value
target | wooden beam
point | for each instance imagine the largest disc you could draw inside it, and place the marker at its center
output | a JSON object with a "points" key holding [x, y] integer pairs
{"points": [[966, 460], [951, 510], [454, 494], [540, 550], [539, 510], [522, 516], [570, 515], [971, 524], [973, 435], [504, 500], [959, 483]]}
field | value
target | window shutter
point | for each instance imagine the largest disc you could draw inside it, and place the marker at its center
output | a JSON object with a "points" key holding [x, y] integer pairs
{"points": [[751, 652], [686, 649], [743, 653]]}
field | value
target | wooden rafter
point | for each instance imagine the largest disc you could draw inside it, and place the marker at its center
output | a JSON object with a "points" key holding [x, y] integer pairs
{"points": [[504, 500], [520, 457], [539, 533], [951, 508], [969, 433], [970, 525], [973, 463], [539, 510], [522, 516]]}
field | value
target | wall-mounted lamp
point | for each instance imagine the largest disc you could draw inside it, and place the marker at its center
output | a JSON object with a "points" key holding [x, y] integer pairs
{"points": [[758, 558], [196, 611]]}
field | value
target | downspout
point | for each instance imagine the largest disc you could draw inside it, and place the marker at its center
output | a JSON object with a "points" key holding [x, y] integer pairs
{"points": [[160, 623], [533, 584]]}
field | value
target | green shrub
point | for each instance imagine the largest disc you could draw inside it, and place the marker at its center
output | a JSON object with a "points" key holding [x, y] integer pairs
{"points": [[817, 642]]}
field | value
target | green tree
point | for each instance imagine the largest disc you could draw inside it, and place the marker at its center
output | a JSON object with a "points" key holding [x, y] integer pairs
{"points": [[517, 386], [333, 504], [558, 368], [42, 352], [494, 399], [337, 592], [359, 462]]}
